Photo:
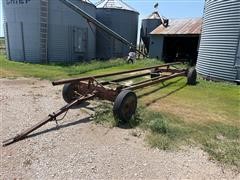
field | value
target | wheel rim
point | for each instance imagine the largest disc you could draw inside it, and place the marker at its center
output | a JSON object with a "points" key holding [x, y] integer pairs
{"points": [[128, 107]]}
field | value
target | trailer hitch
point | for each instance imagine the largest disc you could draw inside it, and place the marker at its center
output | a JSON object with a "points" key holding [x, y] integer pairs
{"points": [[50, 117]]}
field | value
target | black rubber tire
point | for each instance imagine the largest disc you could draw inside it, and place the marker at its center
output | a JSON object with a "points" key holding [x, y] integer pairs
{"points": [[125, 106], [153, 74], [68, 92], [191, 76]]}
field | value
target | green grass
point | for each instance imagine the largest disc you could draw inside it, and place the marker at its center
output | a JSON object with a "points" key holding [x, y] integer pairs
{"points": [[169, 132], [207, 114], [58, 71], [174, 115], [203, 103], [2, 45]]}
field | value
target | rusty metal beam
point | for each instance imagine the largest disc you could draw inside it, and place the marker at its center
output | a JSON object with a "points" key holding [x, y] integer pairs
{"points": [[59, 82], [125, 78], [159, 70], [149, 80], [142, 85]]}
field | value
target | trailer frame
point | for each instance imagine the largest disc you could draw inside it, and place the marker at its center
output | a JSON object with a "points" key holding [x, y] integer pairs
{"points": [[79, 90]]}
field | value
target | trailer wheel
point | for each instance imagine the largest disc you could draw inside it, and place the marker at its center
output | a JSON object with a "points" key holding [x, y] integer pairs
{"points": [[154, 74], [191, 76], [125, 105], [68, 93]]}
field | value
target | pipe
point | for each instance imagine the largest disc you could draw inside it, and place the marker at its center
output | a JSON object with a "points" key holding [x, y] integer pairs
{"points": [[54, 83], [91, 19], [142, 85]]}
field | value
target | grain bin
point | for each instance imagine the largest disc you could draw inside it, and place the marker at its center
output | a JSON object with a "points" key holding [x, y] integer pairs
{"points": [[42, 31], [218, 57], [122, 19], [148, 25]]}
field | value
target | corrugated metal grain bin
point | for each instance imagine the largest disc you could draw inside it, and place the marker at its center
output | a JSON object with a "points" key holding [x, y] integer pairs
{"points": [[218, 57], [148, 25], [122, 19], [42, 31]]}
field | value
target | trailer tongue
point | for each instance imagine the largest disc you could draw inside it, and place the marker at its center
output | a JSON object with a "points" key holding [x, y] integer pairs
{"points": [[79, 90]]}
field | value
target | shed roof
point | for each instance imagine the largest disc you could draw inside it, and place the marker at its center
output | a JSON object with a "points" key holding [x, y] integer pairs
{"points": [[180, 27], [115, 4]]}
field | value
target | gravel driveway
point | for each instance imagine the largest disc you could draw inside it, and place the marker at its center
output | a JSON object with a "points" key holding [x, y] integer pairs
{"points": [[80, 149]]}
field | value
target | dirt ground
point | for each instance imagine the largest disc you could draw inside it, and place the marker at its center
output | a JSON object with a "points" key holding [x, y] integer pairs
{"points": [[80, 149]]}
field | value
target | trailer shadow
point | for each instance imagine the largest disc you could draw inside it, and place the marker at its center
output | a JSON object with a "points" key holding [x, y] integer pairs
{"points": [[166, 95], [159, 88], [58, 127]]}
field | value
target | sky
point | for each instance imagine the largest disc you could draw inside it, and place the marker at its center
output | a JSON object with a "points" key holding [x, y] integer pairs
{"points": [[168, 8]]}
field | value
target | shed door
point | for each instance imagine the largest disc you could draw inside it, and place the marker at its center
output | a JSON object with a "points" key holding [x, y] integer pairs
{"points": [[80, 40]]}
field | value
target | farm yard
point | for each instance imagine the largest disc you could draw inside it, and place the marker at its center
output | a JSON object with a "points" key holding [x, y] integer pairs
{"points": [[119, 89], [178, 131]]}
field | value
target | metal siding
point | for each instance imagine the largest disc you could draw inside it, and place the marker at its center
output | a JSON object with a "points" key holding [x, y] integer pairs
{"points": [[20, 37], [156, 46], [219, 40], [61, 18], [32, 45], [57, 46], [237, 62], [149, 25], [180, 26], [123, 22], [15, 41], [60, 34]]}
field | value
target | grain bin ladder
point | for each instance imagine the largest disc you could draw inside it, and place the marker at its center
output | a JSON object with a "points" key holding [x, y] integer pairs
{"points": [[79, 90]]}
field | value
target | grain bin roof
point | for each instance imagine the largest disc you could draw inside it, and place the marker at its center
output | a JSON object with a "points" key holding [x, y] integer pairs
{"points": [[154, 15], [180, 27], [115, 4]]}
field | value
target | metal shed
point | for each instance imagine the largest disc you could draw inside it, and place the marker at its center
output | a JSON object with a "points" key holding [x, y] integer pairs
{"points": [[42, 31], [121, 18], [178, 41], [219, 51]]}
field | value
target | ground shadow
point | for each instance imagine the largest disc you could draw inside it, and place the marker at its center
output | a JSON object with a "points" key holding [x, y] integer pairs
{"points": [[84, 120], [159, 88], [57, 127], [166, 95]]}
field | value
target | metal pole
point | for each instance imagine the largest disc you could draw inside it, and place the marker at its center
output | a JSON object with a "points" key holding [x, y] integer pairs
{"points": [[54, 83], [135, 87], [99, 24], [23, 43]]}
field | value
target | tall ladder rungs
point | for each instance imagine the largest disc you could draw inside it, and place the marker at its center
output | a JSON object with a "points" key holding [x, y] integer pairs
{"points": [[44, 30]]}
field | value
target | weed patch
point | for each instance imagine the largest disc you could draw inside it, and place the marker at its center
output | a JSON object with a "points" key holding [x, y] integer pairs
{"points": [[104, 115]]}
